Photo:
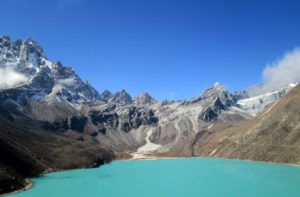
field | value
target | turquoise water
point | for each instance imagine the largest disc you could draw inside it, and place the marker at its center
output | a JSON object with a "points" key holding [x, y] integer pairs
{"points": [[175, 177]]}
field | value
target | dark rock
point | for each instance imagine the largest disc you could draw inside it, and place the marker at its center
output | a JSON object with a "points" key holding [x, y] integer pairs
{"points": [[109, 118], [80, 138], [43, 81], [102, 130], [56, 125], [208, 115], [133, 117], [125, 126], [78, 123], [94, 134]]}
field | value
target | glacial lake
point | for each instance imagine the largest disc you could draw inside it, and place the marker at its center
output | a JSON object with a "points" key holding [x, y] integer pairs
{"points": [[171, 177]]}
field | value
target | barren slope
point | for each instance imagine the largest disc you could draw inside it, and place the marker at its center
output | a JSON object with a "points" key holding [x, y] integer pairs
{"points": [[273, 136]]}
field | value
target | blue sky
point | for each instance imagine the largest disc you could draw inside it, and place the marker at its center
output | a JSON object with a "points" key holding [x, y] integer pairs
{"points": [[169, 48]]}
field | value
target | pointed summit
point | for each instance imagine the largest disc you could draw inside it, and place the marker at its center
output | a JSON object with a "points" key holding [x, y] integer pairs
{"points": [[122, 97], [107, 95], [33, 47], [217, 91], [211, 94], [216, 84], [144, 99], [213, 91]]}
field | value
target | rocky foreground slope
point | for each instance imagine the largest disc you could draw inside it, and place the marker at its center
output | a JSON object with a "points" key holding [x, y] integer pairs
{"points": [[27, 150], [50, 119]]}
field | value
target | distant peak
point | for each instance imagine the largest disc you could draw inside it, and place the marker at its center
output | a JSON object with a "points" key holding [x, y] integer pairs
{"points": [[217, 87], [217, 84], [5, 41], [144, 94], [144, 99], [106, 92], [122, 97], [31, 41], [34, 46], [5, 38], [107, 95], [122, 93]]}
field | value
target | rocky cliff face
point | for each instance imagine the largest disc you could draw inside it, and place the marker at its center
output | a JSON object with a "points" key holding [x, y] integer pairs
{"points": [[63, 112], [43, 77], [272, 136]]}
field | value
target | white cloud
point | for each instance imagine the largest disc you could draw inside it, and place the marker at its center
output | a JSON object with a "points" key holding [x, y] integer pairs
{"points": [[9, 78], [280, 73]]}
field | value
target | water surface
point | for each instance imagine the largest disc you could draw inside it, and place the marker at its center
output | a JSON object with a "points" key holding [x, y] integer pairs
{"points": [[174, 177]]}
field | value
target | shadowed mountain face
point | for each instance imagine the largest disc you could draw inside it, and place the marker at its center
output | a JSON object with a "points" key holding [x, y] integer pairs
{"points": [[27, 150], [50, 119]]}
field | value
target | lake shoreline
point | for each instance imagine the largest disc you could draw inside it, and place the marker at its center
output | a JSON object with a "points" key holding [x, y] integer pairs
{"points": [[199, 166], [155, 157], [29, 184]]}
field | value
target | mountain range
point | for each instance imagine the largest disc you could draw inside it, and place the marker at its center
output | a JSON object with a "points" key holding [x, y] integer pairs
{"points": [[51, 119]]}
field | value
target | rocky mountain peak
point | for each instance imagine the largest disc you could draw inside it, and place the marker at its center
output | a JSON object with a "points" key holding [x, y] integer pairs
{"points": [[214, 90], [208, 97], [107, 95], [43, 77], [5, 40], [218, 85], [21, 50], [217, 91], [33, 47], [122, 97], [144, 99]]}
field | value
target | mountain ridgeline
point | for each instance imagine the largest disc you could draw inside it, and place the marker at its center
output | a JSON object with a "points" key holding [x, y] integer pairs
{"points": [[51, 120]]}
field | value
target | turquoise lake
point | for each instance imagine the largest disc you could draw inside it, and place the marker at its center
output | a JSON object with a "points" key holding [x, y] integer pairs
{"points": [[173, 177]]}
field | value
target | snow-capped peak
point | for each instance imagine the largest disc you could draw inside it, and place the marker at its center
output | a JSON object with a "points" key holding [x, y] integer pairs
{"points": [[254, 105], [45, 78], [217, 84]]}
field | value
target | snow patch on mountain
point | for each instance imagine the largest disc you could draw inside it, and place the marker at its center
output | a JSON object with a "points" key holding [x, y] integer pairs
{"points": [[256, 104], [22, 62]]}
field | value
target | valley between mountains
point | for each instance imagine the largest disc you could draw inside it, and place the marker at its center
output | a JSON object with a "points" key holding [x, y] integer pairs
{"points": [[51, 119]]}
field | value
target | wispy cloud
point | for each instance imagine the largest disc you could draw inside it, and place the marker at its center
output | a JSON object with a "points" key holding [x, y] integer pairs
{"points": [[280, 73], [9, 78]]}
